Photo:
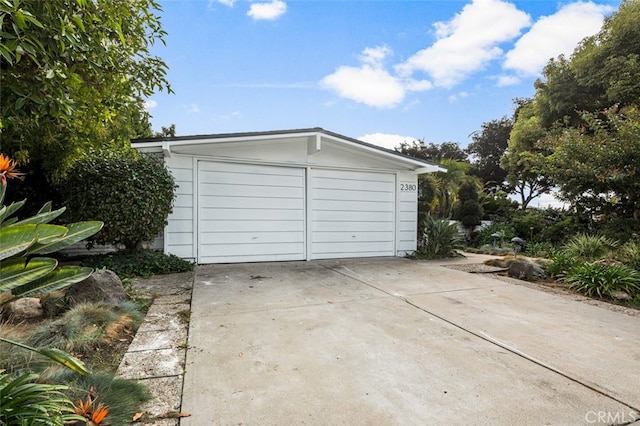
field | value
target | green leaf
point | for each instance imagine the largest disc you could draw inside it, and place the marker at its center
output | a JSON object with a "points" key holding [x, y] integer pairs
{"points": [[44, 217], [49, 233], [54, 280], [11, 209], [16, 239], [57, 355], [75, 232], [15, 272], [65, 359]]}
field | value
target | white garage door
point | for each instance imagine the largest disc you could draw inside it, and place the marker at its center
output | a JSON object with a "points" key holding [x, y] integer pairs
{"points": [[250, 213], [352, 214]]}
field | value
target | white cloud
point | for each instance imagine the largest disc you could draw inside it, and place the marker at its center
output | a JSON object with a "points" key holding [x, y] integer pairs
{"points": [[191, 108], [507, 80], [456, 97], [386, 140], [553, 35], [367, 85], [150, 103], [229, 3], [374, 56], [467, 42], [267, 11], [370, 83]]}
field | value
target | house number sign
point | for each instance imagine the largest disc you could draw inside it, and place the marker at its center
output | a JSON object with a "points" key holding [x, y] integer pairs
{"points": [[408, 187]]}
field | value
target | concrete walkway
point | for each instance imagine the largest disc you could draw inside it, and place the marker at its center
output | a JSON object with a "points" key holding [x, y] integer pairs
{"points": [[397, 342]]}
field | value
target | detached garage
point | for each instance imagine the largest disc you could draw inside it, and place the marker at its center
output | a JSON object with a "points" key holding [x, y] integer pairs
{"points": [[288, 195]]}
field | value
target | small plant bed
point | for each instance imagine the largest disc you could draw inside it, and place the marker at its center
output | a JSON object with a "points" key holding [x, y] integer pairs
{"points": [[138, 263]]}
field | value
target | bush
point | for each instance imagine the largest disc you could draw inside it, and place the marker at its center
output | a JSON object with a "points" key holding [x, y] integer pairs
{"points": [[536, 249], [630, 254], [132, 193], [590, 247], [438, 239], [594, 279], [484, 236], [561, 263], [140, 263]]}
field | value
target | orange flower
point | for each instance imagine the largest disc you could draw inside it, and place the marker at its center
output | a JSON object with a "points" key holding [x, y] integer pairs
{"points": [[99, 414], [8, 169]]}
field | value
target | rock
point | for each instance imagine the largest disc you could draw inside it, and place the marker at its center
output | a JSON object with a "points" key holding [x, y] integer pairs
{"points": [[525, 270], [101, 286], [23, 309], [621, 295], [521, 270]]}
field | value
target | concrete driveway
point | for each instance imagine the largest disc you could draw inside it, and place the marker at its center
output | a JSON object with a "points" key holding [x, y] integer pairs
{"points": [[389, 341]]}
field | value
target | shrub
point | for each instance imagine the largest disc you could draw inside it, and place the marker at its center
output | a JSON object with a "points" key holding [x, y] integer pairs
{"points": [[537, 249], [589, 247], [438, 238], [484, 236], [132, 193], [561, 263], [630, 254], [594, 279], [141, 263]]}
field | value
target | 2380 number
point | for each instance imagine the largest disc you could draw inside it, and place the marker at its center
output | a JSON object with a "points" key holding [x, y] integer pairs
{"points": [[408, 187]]}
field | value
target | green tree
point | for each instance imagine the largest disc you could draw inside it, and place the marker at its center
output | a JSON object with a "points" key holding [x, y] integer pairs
{"points": [[595, 166], [433, 152], [74, 74], [488, 146], [524, 156], [468, 209], [132, 193]]}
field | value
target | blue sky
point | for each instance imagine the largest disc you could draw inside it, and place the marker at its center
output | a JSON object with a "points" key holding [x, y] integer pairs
{"points": [[381, 71]]}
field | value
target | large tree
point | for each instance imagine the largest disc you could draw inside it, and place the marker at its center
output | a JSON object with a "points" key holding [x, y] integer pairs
{"points": [[74, 74], [603, 71], [432, 151], [596, 168], [524, 155], [488, 146]]}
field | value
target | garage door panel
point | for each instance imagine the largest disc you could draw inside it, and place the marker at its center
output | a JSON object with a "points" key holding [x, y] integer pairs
{"points": [[353, 205], [241, 179], [250, 212], [252, 202], [338, 249], [352, 226], [251, 237], [354, 236], [348, 195], [353, 185], [232, 250], [252, 226], [230, 190], [352, 216]]}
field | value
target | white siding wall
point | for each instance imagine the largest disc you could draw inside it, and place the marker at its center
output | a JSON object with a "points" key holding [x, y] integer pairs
{"points": [[407, 214], [179, 233]]}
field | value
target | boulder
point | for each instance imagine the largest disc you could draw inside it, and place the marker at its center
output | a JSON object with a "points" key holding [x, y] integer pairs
{"points": [[23, 309], [102, 286], [525, 270]]}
